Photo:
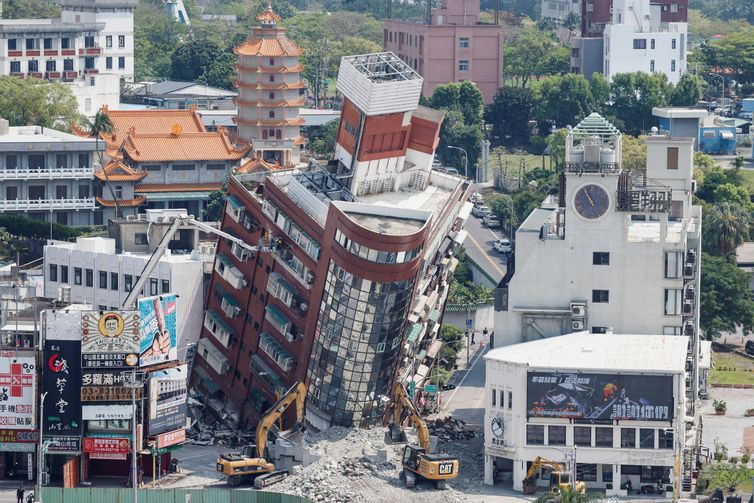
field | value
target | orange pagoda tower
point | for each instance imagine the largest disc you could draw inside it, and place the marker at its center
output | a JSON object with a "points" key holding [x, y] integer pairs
{"points": [[270, 92]]}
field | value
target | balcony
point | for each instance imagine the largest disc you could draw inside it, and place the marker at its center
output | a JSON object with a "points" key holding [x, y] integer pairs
{"points": [[229, 306], [229, 272], [241, 253], [91, 71], [276, 352], [293, 266], [213, 356], [235, 209], [68, 52], [219, 329], [277, 319], [90, 51], [269, 377], [15, 54], [70, 75], [279, 288], [32, 53], [51, 52], [86, 203], [46, 173], [52, 75]]}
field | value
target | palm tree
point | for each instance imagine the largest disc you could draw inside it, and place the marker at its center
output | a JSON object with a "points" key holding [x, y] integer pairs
{"points": [[102, 124], [567, 495], [727, 226], [571, 22]]}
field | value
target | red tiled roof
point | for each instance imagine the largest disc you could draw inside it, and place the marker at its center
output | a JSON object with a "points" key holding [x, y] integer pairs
{"points": [[278, 46], [270, 85], [119, 172], [300, 140], [268, 69], [177, 187], [123, 203], [157, 147], [270, 123], [257, 164], [268, 16], [298, 102]]}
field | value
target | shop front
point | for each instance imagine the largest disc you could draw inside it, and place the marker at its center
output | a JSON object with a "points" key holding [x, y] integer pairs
{"points": [[107, 456], [17, 454]]}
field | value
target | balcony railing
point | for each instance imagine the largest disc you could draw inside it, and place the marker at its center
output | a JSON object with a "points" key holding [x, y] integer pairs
{"points": [[86, 203], [45, 173], [286, 260]]}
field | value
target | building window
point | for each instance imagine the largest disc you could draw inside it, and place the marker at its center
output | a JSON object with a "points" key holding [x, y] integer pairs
{"points": [[50, 66], [665, 438], [652, 43], [12, 44], [89, 41], [31, 44], [121, 40], [671, 330], [628, 438], [109, 63], [88, 63], [215, 166], [556, 435], [140, 238], [463, 65], [36, 192], [586, 472], [53, 272], [89, 277], [640, 43], [575, 52], [153, 286], [61, 192], [673, 264], [33, 65], [510, 400], [599, 330], [672, 69], [114, 281], [535, 434], [463, 42], [65, 43], [184, 167], [673, 301], [271, 115], [165, 284], [601, 296], [119, 192], [582, 436], [11, 192], [64, 274], [103, 280], [272, 78], [601, 258], [646, 438], [494, 398], [68, 65], [121, 62], [603, 437], [15, 67], [128, 281], [672, 44], [48, 43], [109, 41], [77, 272], [607, 473], [651, 65]]}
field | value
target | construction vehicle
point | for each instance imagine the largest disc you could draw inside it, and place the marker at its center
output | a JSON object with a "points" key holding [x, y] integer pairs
{"points": [[242, 467], [559, 478], [417, 460], [181, 221]]}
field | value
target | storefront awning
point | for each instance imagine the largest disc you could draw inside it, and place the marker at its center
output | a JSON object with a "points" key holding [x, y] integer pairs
{"points": [[434, 315], [277, 316], [414, 332], [434, 348]]}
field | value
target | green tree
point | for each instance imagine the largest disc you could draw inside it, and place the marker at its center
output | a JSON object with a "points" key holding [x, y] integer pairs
{"points": [[192, 59], [37, 102], [687, 92], [600, 88], [634, 153], [156, 36], [724, 474], [322, 138], [347, 47], [735, 194], [510, 113], [220, 73], [102, 124], [30, 9], [471, 103], [556, 141], [568, 495], [563, 100], [216, 204], [633, 96], [729, 52], [533, 52], [726, 226]]}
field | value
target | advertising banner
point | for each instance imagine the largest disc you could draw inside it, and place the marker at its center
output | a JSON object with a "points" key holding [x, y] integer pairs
{"points": [[105, 385], [109, 339], [167, 400], [17, 376], [171, 438], [61, 379], [21, 436], [62, 325], [599, 397], [106, 412], [60, 444], [158, 330], [106, 448]]}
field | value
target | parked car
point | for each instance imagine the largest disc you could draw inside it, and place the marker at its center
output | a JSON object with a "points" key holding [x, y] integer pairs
{"points": [[749, 348], [492, 221], [480, 211], [443, 169], [477, 199], [504, 245], [745, 115]]}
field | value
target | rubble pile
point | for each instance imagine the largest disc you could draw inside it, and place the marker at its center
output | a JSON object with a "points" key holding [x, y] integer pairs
{"points": [[448, 429]]}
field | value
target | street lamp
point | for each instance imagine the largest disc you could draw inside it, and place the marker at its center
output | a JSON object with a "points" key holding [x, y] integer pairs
{"points": [[42, 448], [465, 160], [722, 82], [133, 380]]}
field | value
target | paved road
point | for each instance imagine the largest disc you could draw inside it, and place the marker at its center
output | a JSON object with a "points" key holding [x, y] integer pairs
{"points": [[479, 248]]}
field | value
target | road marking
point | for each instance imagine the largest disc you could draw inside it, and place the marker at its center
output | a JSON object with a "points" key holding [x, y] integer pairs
{"points": [[492, 262], [468, 370]]}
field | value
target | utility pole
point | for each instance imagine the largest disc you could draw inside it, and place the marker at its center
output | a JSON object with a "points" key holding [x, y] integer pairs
{"points": [[573, 469]]}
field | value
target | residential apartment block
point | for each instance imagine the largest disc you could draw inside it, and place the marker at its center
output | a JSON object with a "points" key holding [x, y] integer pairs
{"points": [[351, 295], [90, 48], [450, 47], [558, 10]]}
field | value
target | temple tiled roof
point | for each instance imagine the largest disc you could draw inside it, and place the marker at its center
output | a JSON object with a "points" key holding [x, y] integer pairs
{"points": [[268, 16], [270, 85], [278, 46], [182, 146], [270, 123], [257, 164], [123, 203], [298, 68], [177, 187], [119, 172], [298, 102]]}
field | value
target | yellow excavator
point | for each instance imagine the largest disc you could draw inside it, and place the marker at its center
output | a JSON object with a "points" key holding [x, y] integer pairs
{"points": [[251, 465], [417, 460], [559, 477]]}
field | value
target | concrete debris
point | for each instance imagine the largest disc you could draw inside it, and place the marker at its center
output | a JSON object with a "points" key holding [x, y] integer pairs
{"points": [[448, 429]]}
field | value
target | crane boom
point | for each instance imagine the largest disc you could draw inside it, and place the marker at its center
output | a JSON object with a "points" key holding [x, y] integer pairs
{"points": [[181, 221], [296, 394], [404, 401]]}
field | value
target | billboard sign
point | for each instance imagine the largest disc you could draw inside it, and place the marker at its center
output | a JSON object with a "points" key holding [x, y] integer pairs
{"points": [[110, 338], [60, 444], [106, 448], [171, 438], [17, 377], [106, 412], [61, 379], [20, 436], [167, 400], [158, 326], [105, 385], [599, 397], [62, 325]]}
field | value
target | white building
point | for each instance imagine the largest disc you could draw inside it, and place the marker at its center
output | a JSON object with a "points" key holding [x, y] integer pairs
{"points": [[615, 402], [560, 9], [636, 40], [90, 47], [621, 250], [99, 276]]}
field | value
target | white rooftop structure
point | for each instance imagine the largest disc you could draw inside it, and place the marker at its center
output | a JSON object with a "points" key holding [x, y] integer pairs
{"points": [[585, 351]]}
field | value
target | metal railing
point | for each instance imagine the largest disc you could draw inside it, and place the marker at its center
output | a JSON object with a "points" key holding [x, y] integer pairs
{"points": [[86, 203], [592, 167], [45, 173]]}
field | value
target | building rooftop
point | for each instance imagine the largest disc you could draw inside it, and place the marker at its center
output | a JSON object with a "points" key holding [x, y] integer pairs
{"points": [[599, 352], [179, 89], [433, 199], [38, 134], [745, 254], [679, 113], [536, 220], [182, 146], [107, 246], [381, 67], [267, 47], [595, 125]]}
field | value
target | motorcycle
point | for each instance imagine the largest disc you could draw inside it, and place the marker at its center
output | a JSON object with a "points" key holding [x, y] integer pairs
{"points": [[655, 488]]}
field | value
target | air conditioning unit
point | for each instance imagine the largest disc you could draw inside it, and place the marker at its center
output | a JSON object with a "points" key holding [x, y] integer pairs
{"points": [[577, 325], [688, 270], [578, 310], [309, 278], [693, 186], [688, 329], [160, 219], [691, 256], [303, 306], [690, 292], [290, 337], [236, 311], [688, 307]]}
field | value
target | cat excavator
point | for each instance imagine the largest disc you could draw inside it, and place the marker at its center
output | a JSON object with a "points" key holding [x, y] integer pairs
{"points": [[559, 477], [417, 460], [251, 464]]}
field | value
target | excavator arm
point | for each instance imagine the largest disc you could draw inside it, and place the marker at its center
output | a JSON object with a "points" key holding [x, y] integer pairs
{"points": [[295, 395], [403, 401], [540, 462]]}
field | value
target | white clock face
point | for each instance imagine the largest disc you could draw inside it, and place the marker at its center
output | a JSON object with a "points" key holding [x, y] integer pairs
{"points": [[498, 427]]}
